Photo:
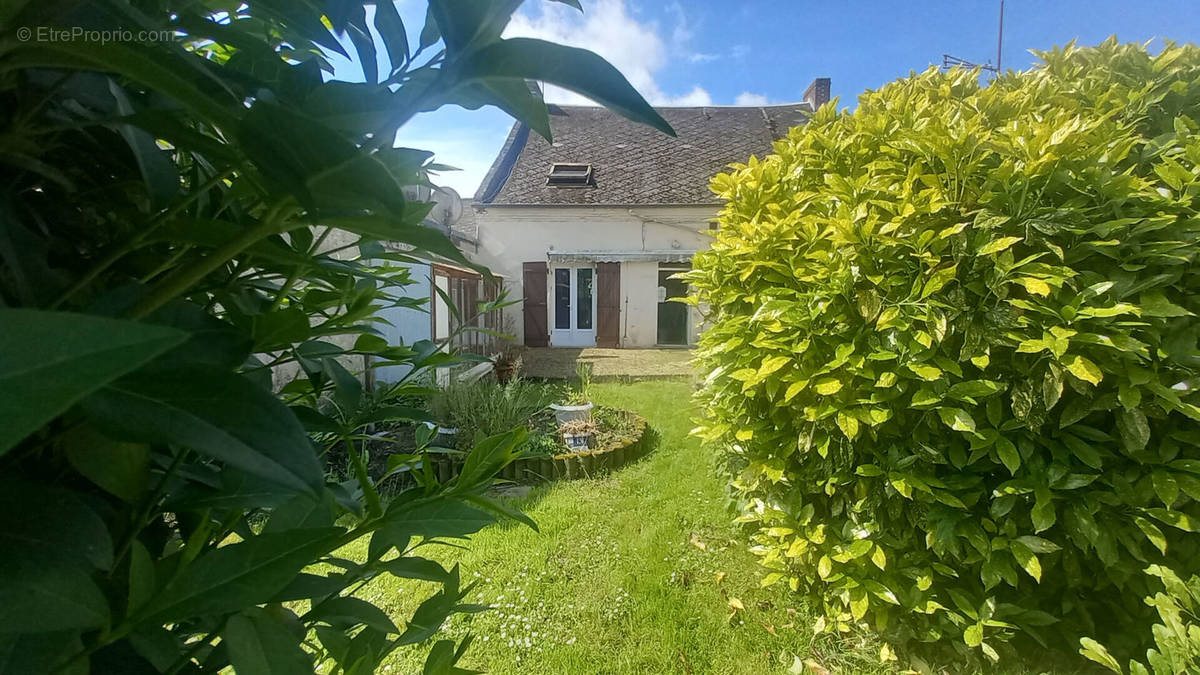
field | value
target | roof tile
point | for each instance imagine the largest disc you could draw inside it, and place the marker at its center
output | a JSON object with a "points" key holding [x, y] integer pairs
{"points": [[634, 163]]}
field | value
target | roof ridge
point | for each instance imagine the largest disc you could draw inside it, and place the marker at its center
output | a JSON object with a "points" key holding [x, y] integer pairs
{"points": [[788, 104], [502, 166]]}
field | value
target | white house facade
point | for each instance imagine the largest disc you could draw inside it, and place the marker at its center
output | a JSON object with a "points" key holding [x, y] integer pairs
{"points": [[645, 245], [589, 230]]}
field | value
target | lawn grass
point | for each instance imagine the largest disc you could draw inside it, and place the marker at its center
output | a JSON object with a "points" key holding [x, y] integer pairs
{"points": [[634, 572]]}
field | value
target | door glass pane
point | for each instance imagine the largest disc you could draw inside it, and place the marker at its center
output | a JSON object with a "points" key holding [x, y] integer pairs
{"points": [[584, 300], [562, 298]]}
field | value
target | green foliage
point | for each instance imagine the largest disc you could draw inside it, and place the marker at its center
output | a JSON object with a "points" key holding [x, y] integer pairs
{"points": [[1176, 635], [582, 394], [952, 336], [614, 426], [485, 407], [181, 221]]}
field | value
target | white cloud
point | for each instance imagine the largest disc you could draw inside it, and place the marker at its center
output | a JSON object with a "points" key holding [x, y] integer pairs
{"points": [[750, 98], [697, 96], [635, 48]]}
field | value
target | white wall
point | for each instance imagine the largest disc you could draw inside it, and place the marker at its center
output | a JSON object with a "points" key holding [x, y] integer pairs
{"points": [[407, 325], [639, 304], [512, 235]]}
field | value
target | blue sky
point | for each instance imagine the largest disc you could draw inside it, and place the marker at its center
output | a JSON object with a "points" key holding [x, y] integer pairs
{"points": [[704, 52]]}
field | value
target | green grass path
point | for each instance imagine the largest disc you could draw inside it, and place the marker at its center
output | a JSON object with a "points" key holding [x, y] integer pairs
{"points": [[634, 572]]}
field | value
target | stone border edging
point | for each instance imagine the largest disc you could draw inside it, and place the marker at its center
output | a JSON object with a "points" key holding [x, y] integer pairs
{"points": [[568, 466]]}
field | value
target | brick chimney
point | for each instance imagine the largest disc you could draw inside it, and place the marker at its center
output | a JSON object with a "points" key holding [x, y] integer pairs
{"points": [[817, 93]]}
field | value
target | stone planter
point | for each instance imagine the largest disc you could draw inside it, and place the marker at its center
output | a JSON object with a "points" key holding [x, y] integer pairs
{"points": [[443, 467], [590, 465], [570, 413], [617, 457], [568, 465], [572, 467]]}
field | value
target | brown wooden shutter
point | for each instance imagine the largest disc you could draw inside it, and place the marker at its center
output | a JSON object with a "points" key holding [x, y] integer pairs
{"points": [[534, 277], [608, 304]]}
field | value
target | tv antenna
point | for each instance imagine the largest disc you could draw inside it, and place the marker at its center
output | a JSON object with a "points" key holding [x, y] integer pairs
{"points": [[949, 61]]}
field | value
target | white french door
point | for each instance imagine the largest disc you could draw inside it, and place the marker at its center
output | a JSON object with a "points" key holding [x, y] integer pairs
{"points": [[573, 306]]}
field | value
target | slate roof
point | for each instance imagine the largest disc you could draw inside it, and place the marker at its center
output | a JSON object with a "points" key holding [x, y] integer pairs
{"points": [[634, 164]]}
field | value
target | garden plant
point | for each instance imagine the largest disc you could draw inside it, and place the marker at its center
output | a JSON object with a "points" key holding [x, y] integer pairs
{"points": [[953, 349], [183, 219]]}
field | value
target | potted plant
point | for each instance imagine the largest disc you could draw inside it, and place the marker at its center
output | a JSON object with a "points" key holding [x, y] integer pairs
{"points": [[507, 363], [578, 434], [579, 403]]}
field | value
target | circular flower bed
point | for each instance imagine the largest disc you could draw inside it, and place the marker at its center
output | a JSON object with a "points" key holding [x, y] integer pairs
{"points": [[620, 437]]}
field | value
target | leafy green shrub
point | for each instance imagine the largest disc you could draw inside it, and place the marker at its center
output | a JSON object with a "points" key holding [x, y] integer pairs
{"points": [[485, 407], [952, 335], [181, 219], [614, 426], [1176, 636]]}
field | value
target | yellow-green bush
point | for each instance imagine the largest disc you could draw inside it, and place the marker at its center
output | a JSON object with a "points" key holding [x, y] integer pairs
{"points": [[1176, 634], [951, 335]]}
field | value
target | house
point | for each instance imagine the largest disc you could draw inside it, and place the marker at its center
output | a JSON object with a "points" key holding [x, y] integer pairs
{"points": [[434, 283], [589, 230]]}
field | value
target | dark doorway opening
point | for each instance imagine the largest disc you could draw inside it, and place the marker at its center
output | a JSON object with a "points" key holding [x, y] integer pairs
{"points": [[672, 315]]}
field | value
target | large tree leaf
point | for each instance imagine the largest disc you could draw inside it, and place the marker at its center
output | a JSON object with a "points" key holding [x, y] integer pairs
{"points": [[306, 586], [232, 488], [391, 31], [215, 413], [161, 71], [322, 168], [510, 95], [415, 568], [441, 518], [490, 455], [37, 598], [262, 645], [347, 612], [211, 341], [432, 613], [235, 576], [50, 544], [425, 240], [364, 43], [302, 511], [571, 68], [120, 468], [21, 654], [441, 658], [50, 360], [280, 329], [467, 23], [47, 524], [158, 171]]}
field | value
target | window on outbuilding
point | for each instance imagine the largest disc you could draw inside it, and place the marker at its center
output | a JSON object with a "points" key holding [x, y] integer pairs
{"points": [[570, 175]]}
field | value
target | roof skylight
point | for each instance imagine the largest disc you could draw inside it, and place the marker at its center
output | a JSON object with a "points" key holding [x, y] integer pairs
{"points": [[570, 175]]}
